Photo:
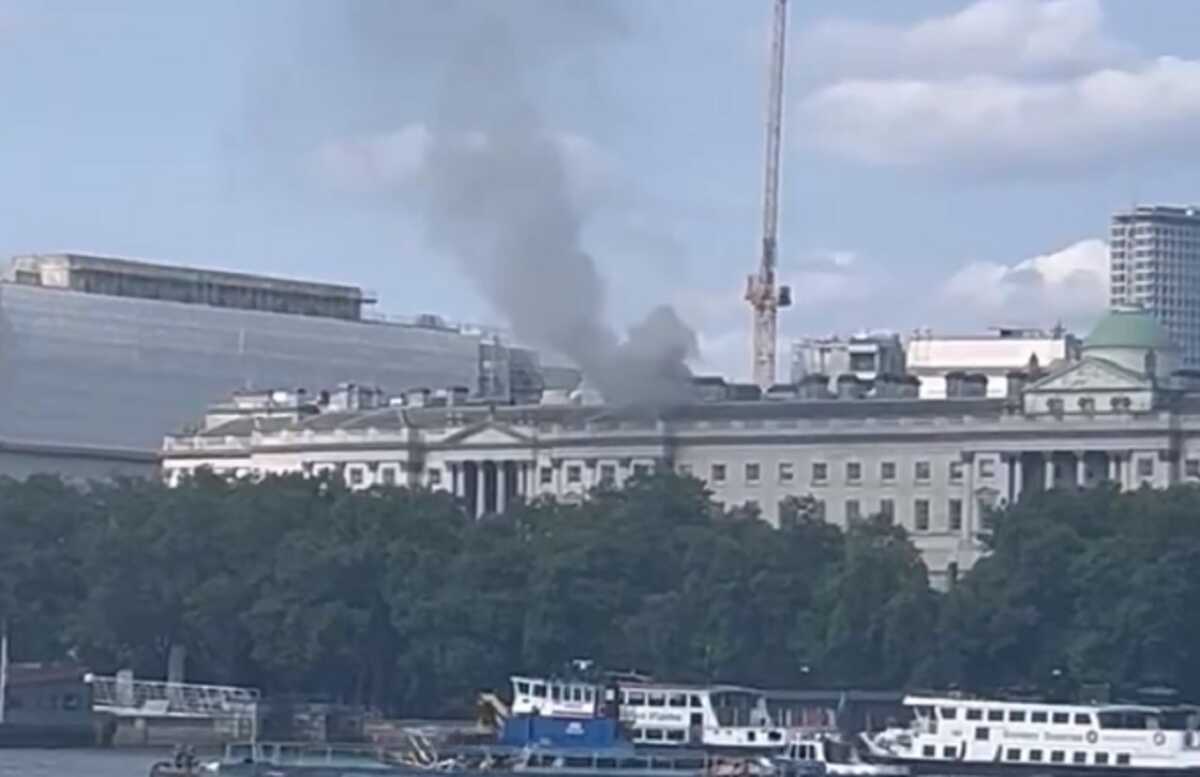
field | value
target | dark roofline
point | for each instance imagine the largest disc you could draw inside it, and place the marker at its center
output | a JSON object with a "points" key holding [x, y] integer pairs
{"points": [[79, 450], [144, 268]]}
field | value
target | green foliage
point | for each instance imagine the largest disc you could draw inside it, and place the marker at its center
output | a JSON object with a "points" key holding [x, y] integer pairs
{"points": [[1095, 587], [393, 598]]}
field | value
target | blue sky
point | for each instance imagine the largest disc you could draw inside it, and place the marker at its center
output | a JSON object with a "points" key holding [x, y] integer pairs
{"points": [[949, 164]]}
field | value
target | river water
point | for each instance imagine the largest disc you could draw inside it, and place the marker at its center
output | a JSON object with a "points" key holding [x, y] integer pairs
{"points": [[78, 763]]}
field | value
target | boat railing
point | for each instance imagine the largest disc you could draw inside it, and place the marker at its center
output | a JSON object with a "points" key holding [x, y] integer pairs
{"points": [[302, 753]]}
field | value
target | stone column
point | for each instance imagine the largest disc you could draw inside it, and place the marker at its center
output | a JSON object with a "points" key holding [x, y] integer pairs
{"points": [[501, 485], [1080, 469], [1114, 467], [1018, 476], [1048, 458], [969, 506], [480, 489]]}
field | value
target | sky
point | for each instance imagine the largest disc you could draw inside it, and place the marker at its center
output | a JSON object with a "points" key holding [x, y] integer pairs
{"points": [[950, 165]]}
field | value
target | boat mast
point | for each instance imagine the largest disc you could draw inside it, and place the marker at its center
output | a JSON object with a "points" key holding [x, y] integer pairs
{"points": [[3, 667]]}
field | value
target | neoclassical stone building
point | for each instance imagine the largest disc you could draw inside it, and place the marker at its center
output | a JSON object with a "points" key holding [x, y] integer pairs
{"points": [[1120, 413]]}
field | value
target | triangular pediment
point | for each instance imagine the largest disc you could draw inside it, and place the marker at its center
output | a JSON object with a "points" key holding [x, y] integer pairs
{"points": [[1091, 374], [488, 433]]}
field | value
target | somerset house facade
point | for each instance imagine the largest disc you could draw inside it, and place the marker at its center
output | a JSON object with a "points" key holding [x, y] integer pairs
{"points": [[1119, 414]]}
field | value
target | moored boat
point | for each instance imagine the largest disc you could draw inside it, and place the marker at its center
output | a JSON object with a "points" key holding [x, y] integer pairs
{"points": [[951, 735], [289, 759], [832, 756], [719, 718], [631, 763]]}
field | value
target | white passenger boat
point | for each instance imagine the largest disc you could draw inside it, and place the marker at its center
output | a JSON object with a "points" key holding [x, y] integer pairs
{"points": [[831, 756], [717, 718], [956, 736]]}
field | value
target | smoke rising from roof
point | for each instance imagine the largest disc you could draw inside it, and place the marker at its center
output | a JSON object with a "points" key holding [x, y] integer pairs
{"points": [[497, 194]]}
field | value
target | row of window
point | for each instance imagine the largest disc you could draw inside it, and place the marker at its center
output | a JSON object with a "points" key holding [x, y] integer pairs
{"points": [[1018, 716], [574, 473], [819, 473], [581, 693], [887, 509], [659, 699], [1036, 755], [673, 735]]}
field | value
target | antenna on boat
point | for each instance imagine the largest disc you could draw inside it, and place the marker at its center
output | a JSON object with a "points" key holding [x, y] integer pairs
{"points": [[3, 666]]}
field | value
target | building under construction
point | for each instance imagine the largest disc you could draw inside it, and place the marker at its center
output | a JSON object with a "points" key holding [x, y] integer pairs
{"points": [[100, 357]]}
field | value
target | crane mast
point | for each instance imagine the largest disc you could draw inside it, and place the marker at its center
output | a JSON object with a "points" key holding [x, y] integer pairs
{"points": [[761, 292]]}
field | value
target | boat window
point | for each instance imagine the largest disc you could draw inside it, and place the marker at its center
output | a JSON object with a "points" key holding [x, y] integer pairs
{"points": [[1038, 717], [678, 700], [995, 715], [1013, 754], [539, 690], [589, 694], [1101, 758], [660, 763], [654, 734], [929, 751], [974, 714], [639, 734], [637, 698], [1035, 755], [1083, 719], [949, 752], [750, 736], [1062, 717], [577, 762], [632, 763], [577, 694], [658, 700], [1079, 757], [690, 764], [981, 733], [775, 736], [923, 712], [522, 687], [695, 700], [554, 692], [675, 735], [1123, 759], [1016, 716], [623, 696], [606, 763], [949, 713], [1057, 757]]}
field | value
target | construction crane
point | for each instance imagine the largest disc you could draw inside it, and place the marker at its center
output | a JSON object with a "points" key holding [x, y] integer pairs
{"points": [[764, 298]]}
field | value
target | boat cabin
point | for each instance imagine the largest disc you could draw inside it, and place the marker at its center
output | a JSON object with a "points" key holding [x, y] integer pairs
{"points": [[1037, 733], [557, 698]]}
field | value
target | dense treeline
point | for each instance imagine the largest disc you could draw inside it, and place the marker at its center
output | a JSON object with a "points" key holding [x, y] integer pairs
{"points": [[393, 598]]}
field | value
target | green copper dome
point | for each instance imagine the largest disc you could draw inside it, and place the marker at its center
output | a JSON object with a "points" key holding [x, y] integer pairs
{"points": [[1128, 329]]}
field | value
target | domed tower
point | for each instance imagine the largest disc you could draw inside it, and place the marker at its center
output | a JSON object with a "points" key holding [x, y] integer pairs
{"points": [[1135, 340]]}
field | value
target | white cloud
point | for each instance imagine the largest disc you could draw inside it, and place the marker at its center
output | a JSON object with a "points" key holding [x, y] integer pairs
{"points": [[1070, 285], [987, 120], [1018, 37], [1000, 84]]}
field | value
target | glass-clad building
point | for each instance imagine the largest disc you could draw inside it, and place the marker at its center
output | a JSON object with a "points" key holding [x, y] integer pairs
{"points": [[107, 371]]}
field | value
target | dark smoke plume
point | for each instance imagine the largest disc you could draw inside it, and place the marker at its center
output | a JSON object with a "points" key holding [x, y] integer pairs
{"points": [[498, 195]]}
